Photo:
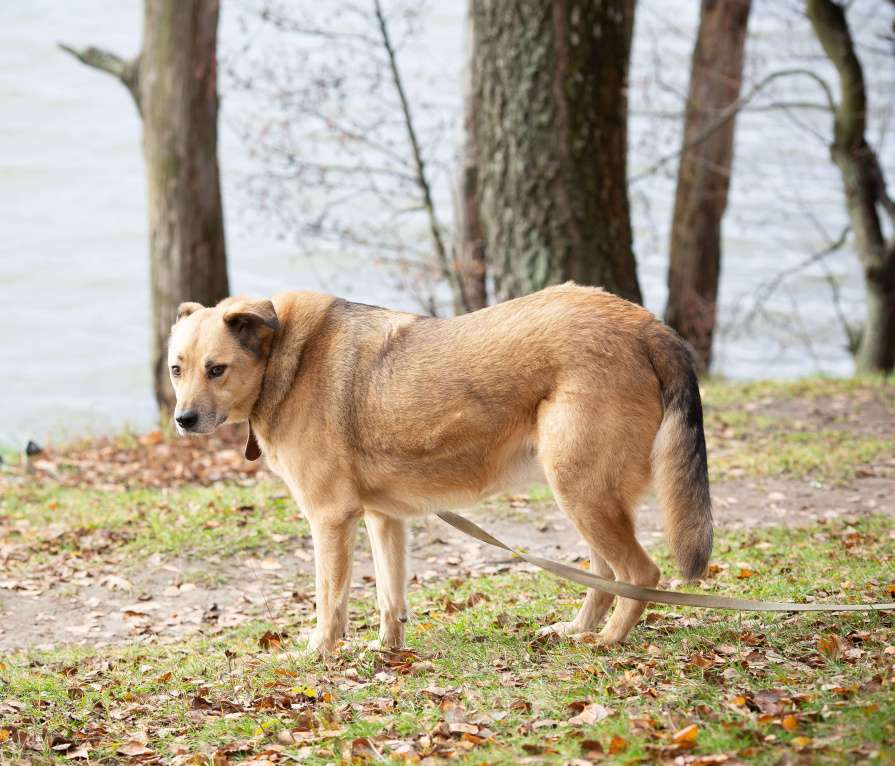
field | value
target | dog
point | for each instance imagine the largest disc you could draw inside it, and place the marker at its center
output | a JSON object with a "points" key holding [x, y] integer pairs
{"points": [[386, 415]]}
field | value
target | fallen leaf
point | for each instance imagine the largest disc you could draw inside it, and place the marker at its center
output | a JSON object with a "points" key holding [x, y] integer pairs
{"points": [[686, 737], [591, 748], [831, 646], [591, 714], [133, 748], [617, 745], [115, 582], [271, 641]]}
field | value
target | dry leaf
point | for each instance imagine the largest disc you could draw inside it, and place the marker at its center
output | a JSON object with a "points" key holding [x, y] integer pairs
{"points": [[790, 723], [686, 737], [617, 745], [831, 646], [133, 748], [591, 714], [271, 641]]}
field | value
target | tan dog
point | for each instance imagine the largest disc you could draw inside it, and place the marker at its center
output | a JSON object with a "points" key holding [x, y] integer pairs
{"points": [[376, 413]]}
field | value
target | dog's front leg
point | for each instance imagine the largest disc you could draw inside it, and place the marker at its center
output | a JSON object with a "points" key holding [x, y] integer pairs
{"points": [[333, 533], [388, 540]]}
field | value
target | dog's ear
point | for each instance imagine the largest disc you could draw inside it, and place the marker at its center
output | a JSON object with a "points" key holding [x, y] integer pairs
{"points": [[185, 309], [251, 318]]}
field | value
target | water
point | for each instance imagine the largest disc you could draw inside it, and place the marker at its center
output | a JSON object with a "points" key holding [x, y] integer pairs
{"points": [[73, 263]]}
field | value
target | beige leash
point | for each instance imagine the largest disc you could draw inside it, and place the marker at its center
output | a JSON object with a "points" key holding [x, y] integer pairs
{"points": [[639, 593]]}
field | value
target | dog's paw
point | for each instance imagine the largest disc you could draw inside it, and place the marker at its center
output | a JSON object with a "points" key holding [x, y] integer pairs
{"points": [[386, 643], [320, 644], [608, 639], [559, 629]]}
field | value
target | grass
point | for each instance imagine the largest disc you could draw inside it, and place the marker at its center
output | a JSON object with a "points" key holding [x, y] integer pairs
{"points": [[827, 456], [727, 394], [193, 521], [760, 688], [476, 685], [791, 429]]}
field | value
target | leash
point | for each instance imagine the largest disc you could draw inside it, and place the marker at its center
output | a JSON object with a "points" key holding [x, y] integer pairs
{"points": [[639, 593]]}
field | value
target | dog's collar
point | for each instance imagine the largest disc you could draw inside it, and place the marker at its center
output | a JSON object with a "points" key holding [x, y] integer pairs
{"points": [[253, 449]]}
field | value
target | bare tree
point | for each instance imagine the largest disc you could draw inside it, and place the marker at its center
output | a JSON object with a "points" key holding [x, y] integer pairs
{"points": [[551, 127], [866, 197], [345, 151], [173, 82], [704, 172]]}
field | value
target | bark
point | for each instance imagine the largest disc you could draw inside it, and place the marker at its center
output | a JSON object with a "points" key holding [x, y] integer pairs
{"points": [[470, 244], [551, 124], [704, 172], [865, 189], [174, 84]]}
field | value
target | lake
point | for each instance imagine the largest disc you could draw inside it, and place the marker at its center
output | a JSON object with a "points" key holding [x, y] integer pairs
{"points": [[73, 263]]}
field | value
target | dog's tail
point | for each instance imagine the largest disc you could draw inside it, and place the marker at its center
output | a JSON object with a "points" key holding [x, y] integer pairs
{"points": [[680, 469]]}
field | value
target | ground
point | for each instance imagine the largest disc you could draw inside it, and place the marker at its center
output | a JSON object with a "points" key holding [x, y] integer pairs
{"points": [[153, 594]]}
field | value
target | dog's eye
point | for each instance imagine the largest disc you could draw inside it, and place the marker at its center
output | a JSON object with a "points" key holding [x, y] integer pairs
{"points": [[175, 370], [217, 371]]}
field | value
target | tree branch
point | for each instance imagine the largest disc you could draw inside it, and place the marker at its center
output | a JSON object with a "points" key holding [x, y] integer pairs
{"points": [[441, 254], [730, 111], [124, 70], [764, 291]]}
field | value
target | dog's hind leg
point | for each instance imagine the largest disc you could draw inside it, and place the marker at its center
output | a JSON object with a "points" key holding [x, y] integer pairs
{"points": [[388, 540], [608, 527], [596, 604], [597, 468]]}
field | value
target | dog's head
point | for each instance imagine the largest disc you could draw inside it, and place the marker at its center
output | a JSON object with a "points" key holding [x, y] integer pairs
{"points": [[216, 359]]}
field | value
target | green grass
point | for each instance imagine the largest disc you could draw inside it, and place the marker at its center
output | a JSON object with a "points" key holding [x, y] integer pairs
{"points": [[193, 521], [717, 392], [787, 428], [760, 688], [828, 456]]}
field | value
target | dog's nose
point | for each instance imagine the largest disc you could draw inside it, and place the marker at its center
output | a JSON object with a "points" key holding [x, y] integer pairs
{"points": [[187, 419]]}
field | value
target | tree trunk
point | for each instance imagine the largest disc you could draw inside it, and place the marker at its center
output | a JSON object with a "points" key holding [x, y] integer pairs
{"points": [[551, 123], [174, 84], [865, 188], [704, 173], [470, 245]]}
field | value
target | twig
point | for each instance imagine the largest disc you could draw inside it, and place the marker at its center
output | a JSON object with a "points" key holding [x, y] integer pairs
{"points": [[124, 70], [852, 333], [728, 112], [441, 253], [766, 290]]}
